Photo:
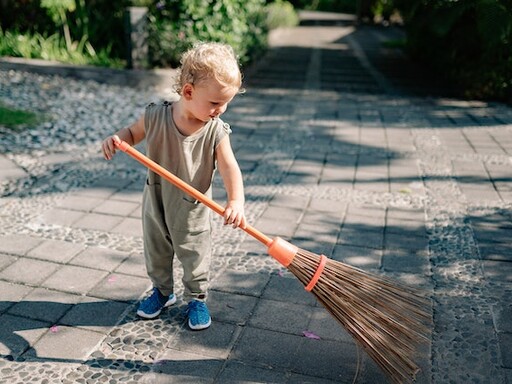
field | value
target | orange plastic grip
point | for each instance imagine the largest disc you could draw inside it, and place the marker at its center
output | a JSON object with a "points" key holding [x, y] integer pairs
{"points": [[316, 276], [282, 251]]}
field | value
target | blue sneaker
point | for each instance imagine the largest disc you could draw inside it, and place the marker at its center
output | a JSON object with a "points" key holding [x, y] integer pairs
{"points": [[198, 315], [151, 306]]}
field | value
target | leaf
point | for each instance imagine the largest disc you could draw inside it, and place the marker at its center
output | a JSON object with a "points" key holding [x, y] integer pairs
{"points": [[311, 335]]}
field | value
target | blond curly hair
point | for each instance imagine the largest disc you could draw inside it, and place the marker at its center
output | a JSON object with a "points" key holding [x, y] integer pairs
{"points": [[206, 61]]}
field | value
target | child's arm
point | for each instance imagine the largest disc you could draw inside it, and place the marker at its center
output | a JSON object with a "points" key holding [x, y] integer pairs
{"points": [[233, 182], [133, 134]]}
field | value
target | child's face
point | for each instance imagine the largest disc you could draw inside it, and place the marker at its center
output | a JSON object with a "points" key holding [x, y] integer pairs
{"points": [[209, 99]]}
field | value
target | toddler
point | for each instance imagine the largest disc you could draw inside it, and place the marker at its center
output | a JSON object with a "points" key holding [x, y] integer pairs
{"points": [[188, 138]]}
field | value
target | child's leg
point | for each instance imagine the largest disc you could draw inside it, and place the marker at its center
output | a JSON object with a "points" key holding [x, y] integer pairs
{"points": [[194, 251], [158, 248]]}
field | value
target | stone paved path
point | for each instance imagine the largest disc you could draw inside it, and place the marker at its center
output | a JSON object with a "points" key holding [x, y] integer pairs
{"points": [[347, 149]]}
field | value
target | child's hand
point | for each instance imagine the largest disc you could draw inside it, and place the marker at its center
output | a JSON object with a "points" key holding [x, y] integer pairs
{"points": [[108, 147], [234, 214]]}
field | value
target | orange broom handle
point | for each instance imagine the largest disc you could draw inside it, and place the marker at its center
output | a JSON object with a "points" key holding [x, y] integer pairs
{"points": [[176, 181]]}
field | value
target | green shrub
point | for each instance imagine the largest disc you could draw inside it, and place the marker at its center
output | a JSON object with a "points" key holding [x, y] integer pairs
{"points": [[469, 41], [176, 25], [98, 22], [93, 32], [281, 14]]}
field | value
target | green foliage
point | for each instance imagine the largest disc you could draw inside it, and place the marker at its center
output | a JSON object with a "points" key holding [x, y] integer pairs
{"points": [[37, 46], [58, 8], [176, 25], [281, 13], [93, 31], [470, 41], [382, 8], [99, 22], [17, 119]]}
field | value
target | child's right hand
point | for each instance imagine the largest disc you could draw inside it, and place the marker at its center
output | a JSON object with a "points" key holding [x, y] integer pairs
{"points": [[108, 147]]}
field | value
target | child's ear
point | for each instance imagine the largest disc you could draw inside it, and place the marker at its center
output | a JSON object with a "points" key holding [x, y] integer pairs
{"points": [[187, 91]]}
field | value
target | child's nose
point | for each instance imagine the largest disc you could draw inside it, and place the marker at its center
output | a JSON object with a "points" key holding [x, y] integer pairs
{"points": [[219, 111]]}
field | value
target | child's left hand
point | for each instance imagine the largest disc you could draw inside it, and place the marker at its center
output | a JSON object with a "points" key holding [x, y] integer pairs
{"points": [[234, 214]]}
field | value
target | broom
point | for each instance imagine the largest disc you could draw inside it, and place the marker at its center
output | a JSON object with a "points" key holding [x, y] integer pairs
{"points": [[387, 319]]}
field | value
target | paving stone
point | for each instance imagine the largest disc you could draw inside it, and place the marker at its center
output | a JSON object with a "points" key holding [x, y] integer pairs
{"points": [[241, 282], [9, 170], [361, 257], [216, 341], [80, 203], [12, 294], [498, 271], [501, 251], [297, 202], [18, 244], [18, 334], [239, 372], [6, 260], [313, 237], [56, 251], [405, 260], [287, 289], [95, 314], [44, 305], [231, 308], [133, 265], [74, 279], [131, 195], [508, 374], [121, 287], [279, 222], [503, 314], [62, 342], [327, 327], [298, 378], [129, 227], [323, 359], [97, 222], [137, 212], [99, 258], [506, 349], [277, 351], [280, 316], [61, 217], [99, 192], [181, 367], [114, 207], [372, 238], [28, 271]]}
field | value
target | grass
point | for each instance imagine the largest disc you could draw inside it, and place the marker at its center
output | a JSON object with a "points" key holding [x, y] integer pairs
{"points": [[17, 119], [37, 46]]}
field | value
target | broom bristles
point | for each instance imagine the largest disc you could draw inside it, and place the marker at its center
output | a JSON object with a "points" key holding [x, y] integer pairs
{"points": [[387, 319]]}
